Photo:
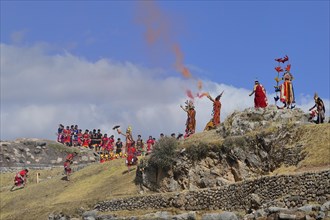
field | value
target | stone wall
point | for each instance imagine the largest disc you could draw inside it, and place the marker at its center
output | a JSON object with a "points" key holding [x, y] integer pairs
{"points": [[287, 191]]}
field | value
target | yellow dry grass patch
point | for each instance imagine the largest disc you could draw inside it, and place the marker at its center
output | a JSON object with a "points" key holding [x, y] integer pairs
{"points": [[316, 141], [208, 137], [86, 187]]}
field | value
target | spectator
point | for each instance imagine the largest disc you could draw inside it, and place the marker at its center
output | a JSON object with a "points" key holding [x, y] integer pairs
{"points": [[60, 133], [119, 146]]}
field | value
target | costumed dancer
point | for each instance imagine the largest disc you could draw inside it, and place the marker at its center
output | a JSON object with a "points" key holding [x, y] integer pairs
{"points": [[319, 112], [260, 98], [128, 137], [67, 164], [20, 179], [215, 121], [286, 88], [191, 118], [131, 157], [287, 93]]}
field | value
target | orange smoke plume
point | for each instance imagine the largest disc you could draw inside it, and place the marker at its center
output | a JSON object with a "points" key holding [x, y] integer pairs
{"points": [[154, 20], [189, 94], [179, 62], [202, 94]]}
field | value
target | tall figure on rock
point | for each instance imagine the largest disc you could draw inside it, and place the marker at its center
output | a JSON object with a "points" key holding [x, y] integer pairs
{"points": [[286, 88], [191, 118], [215, 120], [260, 98], [287, 93]]}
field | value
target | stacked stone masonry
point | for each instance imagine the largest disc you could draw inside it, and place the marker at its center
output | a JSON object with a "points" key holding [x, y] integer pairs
{"points": [[287, 191]]}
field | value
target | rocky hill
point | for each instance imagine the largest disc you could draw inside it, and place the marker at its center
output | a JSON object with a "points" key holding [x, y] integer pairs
{"points": [[249, 144], [38, 154], [259, 164]]}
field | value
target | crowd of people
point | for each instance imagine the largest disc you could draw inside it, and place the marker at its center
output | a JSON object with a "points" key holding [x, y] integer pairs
{"points": [[102, 143], [108, 147]]}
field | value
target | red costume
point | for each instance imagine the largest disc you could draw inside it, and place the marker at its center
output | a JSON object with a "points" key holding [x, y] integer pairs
{"points": [[79, 135], [110, 144], [20, 177], [150, 143], [67, 136], [67, 167], [130, 156], [260, 98], [104, 143], [86, 140]]}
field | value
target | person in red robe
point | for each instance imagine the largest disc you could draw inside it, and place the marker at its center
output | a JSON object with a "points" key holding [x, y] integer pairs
{"points": [[150, 144], [131, 157], [67, 136], [79, 136], [86, 139], [20, 179], [104, 143], [260, 98]]}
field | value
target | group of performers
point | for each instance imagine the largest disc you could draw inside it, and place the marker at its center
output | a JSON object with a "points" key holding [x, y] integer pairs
{"points": [[286, 96], [191, 114]]}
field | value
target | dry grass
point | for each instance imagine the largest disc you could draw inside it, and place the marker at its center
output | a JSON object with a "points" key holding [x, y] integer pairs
{"points": [[316, 141], [206, 137], [88, 186]]}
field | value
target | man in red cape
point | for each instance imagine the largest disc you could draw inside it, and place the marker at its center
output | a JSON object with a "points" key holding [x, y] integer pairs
{"points": [[260, 98]]}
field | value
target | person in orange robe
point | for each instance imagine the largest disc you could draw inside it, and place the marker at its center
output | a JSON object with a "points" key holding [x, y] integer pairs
{"points": [[191, 118], [215, 120]]}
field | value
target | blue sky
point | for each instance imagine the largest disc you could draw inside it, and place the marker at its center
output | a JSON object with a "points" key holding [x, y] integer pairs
{"points": [[224, 43]]}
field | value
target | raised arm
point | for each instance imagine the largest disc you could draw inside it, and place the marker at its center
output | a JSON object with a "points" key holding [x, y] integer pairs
{"points": [[183, 108]]}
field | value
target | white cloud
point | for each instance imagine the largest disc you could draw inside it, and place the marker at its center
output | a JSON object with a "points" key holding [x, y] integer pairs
{"points": [[39, 91]]}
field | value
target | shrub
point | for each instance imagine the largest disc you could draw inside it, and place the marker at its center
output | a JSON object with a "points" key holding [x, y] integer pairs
{"points": [[197, 152], [164, 152]]}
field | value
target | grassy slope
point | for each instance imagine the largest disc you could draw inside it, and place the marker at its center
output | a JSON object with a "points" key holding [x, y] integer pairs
{"points": [[87, 186], [100, 182]]}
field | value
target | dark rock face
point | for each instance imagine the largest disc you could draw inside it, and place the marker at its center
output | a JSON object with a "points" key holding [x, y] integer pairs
{"points": [[255, 142]]}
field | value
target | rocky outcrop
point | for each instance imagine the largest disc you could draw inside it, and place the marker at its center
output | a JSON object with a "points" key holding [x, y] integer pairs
{"points": [[254, 142], [39, 154]]}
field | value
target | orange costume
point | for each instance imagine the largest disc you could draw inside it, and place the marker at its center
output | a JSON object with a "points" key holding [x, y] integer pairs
{"points": [[215, 121], [191, 122], [191, 118], [287, 96]]}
